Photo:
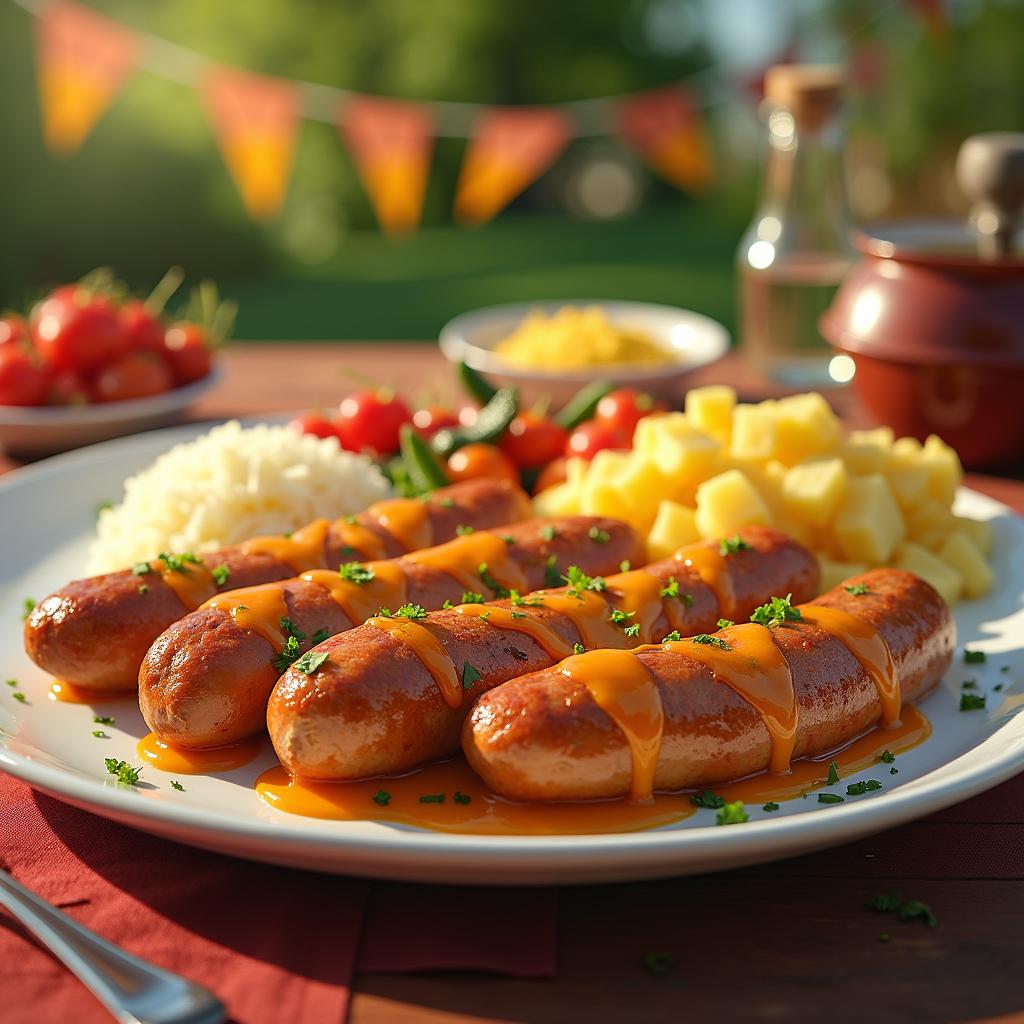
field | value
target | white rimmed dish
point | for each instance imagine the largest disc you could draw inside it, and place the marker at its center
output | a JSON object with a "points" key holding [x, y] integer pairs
{"points": [[50, 509], [693, 339], [47, 429]]}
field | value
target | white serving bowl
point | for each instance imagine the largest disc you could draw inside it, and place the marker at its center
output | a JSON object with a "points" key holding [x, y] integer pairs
{"points": [[48, 429], [695, 339]]}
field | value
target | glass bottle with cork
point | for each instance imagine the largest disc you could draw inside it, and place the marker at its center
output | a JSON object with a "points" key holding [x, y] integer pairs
{"points": [[797, 249]]}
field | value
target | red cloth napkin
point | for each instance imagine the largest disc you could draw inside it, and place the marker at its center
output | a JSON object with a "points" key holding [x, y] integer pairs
{"points": [[273, 943]]}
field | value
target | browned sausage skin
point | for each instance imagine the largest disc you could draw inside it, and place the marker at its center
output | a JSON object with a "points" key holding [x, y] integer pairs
{"points": [[95, 632], [544, 737], [206, 680], [373, 707]]}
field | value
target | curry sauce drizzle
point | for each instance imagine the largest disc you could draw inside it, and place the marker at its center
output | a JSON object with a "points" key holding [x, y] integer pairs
{"points": [[428, 650]]}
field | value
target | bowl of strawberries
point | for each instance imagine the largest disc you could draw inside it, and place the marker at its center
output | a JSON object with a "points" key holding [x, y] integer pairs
{"points": [[90, 361]]}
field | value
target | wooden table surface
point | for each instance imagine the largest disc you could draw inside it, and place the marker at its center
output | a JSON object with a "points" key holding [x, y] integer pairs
{"points": [[789, 941]]}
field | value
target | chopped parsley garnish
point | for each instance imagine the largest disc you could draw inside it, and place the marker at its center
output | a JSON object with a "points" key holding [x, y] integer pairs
{"points": [[320, 636], [857, 589], [519, 601], [884, 903], [488, 580], [632, 631], [356, 572], [447, 606], [175, 784], [27, 604], [461, 798], [770, 806], [286, 655], [508, 538], [1004, 668], [102, 507], [11, 682], [463, 530], [777, 611], [406, 611], [519, 615], [578, 581], [311, 661], [470, 674], [730, 545], [973, 657], [100, 734], [833, 773], [143, 588], [432, 798], [625, 565], [599, 536], [617, 616], [123, 770], [707, 799], [472, 597], [859, 788], [348, 521], [887, 757], [547, 532], [446, 502], [220, 574], [290, 629], [578, 648], [142, 569], [659, 964], [671, 589], [972, 701], [674, 635], [998, 687], [552, 576], [894, 771], [912, 910], [725, 623], [710, 641], [969, 684], [19, 697], [830, 798], [382, 798], [178, 563], [732, 814], [104, 720]]}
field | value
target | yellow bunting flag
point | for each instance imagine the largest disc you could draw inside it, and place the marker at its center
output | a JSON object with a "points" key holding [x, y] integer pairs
{"points": [[663, 125], [391, 143], [255, 120], [509, 150], [84, 59]]}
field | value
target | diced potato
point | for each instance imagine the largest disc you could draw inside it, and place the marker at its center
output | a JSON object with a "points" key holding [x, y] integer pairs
{"points": [[560, 500], [639, 489], [908, 479], [753, 431], [710, 409], [868, 525], [608, 464], [806, 426], [674, 526], [834, 573], [813, 490], [944, 469], [978, 530], [928, 515], [883, 437], [727, 502], [959, 552], [942, 576], [576, 471], [604, 498], [684, 454], [864, 457]]}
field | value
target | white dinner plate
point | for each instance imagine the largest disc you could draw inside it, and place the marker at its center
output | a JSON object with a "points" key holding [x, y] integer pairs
{"points": [[47, 512]]}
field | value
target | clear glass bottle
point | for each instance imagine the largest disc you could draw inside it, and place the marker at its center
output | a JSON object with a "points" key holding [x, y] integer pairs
{"points": [[798, 248]]}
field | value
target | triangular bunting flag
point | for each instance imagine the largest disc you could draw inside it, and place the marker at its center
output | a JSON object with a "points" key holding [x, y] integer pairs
{"points": [[255, 120], [509, 150], [663, 125], [391, 143], [84, 60]]}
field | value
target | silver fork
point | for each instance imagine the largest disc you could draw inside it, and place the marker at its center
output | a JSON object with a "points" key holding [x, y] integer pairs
{"points": [[134, 991]]}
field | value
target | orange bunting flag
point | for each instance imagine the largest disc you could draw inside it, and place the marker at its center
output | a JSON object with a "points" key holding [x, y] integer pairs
{"points": [[84, 60], [509, 150], [663, 125], [255, 119], [391, 143]]}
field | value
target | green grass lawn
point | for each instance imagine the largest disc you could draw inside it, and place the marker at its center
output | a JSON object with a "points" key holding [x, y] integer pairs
{"points": [[377, 287]]}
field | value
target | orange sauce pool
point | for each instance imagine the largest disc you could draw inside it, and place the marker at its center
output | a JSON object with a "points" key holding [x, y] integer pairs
{"points": [[488, 814], [69, 693], [166, 757]]}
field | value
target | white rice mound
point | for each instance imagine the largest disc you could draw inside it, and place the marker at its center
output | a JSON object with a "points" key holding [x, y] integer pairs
{"points": [[228, 485]]}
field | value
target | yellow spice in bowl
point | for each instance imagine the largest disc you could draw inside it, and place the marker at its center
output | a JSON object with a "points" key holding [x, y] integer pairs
{"points": [[576, 338]]}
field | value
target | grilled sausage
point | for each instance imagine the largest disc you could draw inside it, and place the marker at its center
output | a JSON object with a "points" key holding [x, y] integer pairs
{"points": [[95, 632], [545, 736], [206, 680], [374, 706]]}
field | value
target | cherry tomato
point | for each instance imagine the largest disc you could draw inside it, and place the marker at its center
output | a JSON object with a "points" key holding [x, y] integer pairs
{"points": [[22, 382], [591, 437], [142, 330], [476, 460], [432, 418], [67, 387], [315, 423], [13, 330], [187, 351], [75, 329], [532, 441], [622, 410], [133, 375], [551, 475], [371, 420]]}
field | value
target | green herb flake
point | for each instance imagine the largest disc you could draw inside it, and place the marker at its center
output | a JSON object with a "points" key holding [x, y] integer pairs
{"points": [[472, 597], [356, 572], [884, 903], [287, 654], [1004, 668], [857, 589], [830, 798], [488, 580], [707, 799], [446, 502], [884, 937], [143, 588], [104, 720], [599, 536], [508, 539], [860, 788], [11, 682], [732, 814], [519, 615], [618, 617], [27, 606], [123, 770], [548, 532], [142, 569], [382, 798], [463, 530], [102, 507], [887, 757], [20, 697], [632, 631], [671, 589], [973, 657], [552, 574], [777, 611], [432, 798], [320, 636], [178, 563], [660, 965], [470, 674], [731, 545], [625, 565], [998, 687], [175, 784], [290, 629], [833, 773], [578, 648], [710, 641], [725, 623], [770, 806], [461, 798], [578, 581], [916, 910], [894, 771], [310, 662], [969, 684], [674, 635], [220, 574], [972, 701], [100, 734]]}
